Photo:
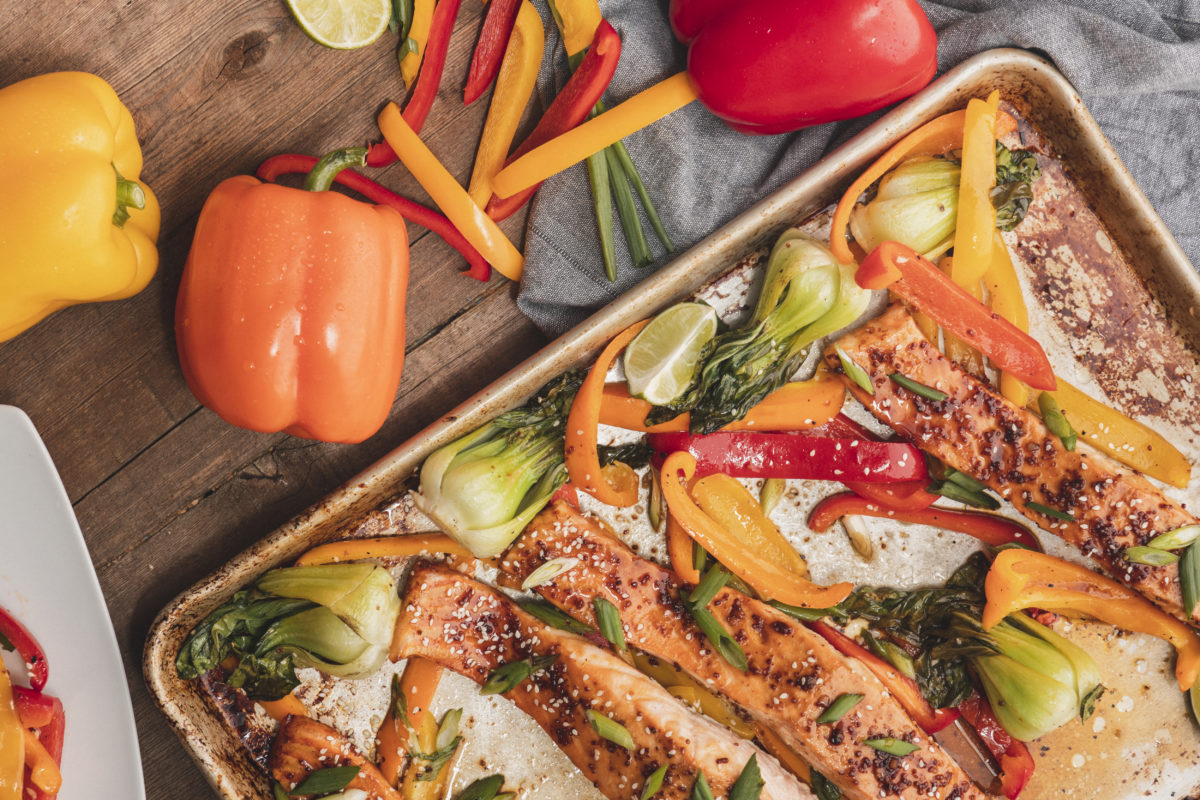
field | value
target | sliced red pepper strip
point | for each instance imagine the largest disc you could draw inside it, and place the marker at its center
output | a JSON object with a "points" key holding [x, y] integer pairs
{"points": [[928, 289], [489, 50], [570, 107], [901, 687], [41, 770], [293, 163], [1015, 760], [567, 493], [50, 742], [991, 529], [905, 496], [34, 708], [750, 454], [27, 647]]}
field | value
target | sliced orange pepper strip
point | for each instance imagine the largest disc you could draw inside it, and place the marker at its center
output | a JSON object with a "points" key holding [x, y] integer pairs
{"points": [[1021, 579], [616, 484], [43, 772], [975, 222], [936, 137], [418, 684], [679, 551], [279, 710], [415, 544], [772, 580], [786, 756]]}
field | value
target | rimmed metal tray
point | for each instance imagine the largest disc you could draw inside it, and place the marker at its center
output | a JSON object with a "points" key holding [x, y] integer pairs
{"points": [[1123, 298]]}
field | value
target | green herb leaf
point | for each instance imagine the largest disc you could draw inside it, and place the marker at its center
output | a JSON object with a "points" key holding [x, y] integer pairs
{"points": [[713, 581], [326, 781], [892, 746], [1056, 420], [609, 619], [554, 617], [726, 646], [749, 783], [805, 614], [824, 788], [1150, 556], [854, 372], [508, 676], [838, 708], [1053, 513], [1088, 704], [917, 388], [1189, 578], [1176, 539], [700, 790], [654, 782], [482, 789], [610, 729]]}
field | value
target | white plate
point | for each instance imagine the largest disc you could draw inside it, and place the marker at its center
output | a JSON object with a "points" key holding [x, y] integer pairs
{"points": [[47, 581]]}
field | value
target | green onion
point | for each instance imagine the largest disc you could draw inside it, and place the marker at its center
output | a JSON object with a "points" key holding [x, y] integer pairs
{"points": [[838, 708], [964, 480], [919, 389], [656, 504], [554, 617], [1189, 578], [610, 729], [726, 646], [635, 237], [824, 789], [892, 746], [854, 372], [803, 614], [506, 677], [597, 167], [1053, 513], [771, 493], [654, 782], [1176, 539], [609, 620], [483, 789], [1088, 704], [448, 729], [699, 557], [326, 781], [714, 580], [399, 702], [548, 572], [700, 790], [1150, 556], [955, 491], [749, 783], [640, 187], [1056, 421], [278, 792]]}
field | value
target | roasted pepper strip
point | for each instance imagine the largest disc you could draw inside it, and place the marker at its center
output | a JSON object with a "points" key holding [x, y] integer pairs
{"points": [[34, 708], [578, 20], [786, 756], [617, 484], [990, 529], [900, 268], [975, 223], [906, 496], [514, 86], [730, 505], [281, 709], [1005, 298], [12, 742], [417, 685], [1022, 579], [680, 548], [27, 647], [416, 544], [494, 39], [1014, 758], [936, 137], [956, 349], [43, 771], [771, 579], [568, 109], [418, 32], [902, 687]]}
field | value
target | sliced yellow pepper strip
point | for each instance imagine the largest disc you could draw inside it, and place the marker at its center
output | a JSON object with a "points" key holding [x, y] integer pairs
{"points": [[639, 111], [732, 507], [791, 761], [514, 86], [410, 64], [957, 350], [415, 544], [434, 789], [683, 686], [1005, 298], [976, 219], [479, 229], [771, 579], [578, 20], [12, 742]]}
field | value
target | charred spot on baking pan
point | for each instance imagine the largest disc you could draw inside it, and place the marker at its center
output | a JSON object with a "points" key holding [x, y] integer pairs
{"points": [[237, 711]]}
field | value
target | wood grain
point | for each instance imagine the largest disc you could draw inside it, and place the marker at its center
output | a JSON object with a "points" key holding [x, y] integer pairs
{"points": [[164, 490]]}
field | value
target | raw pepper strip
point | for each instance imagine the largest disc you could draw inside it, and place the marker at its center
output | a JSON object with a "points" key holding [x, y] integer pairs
{"points": [[291, 163], [975, 221], [578, 20], [903, 688], [1014, 758], [410, 64], [42, 771], [27, 647], [792, 407], [514, 87], [417, 110], [494, 40], [900, 268], [1005, 298], [619, 485], [639, 111], [1022, 579], [990, 529], [416, 544], [769, 578], [730, 505], [936, 137], [451, 198], [569, 107]]}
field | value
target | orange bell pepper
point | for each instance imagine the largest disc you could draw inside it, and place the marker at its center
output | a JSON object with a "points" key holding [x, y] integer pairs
{"points": [[752, 552], [290, 314], [288, 705], [1021, 579], [416, 544], [786, 756], [680, 549], [975, 223]]}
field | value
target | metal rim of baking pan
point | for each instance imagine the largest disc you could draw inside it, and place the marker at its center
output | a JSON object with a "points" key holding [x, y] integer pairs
{"points": [[1050, 99]]}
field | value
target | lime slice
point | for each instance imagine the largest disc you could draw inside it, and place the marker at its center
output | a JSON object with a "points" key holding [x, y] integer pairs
{"points": [[342, 24], [661, 360]]}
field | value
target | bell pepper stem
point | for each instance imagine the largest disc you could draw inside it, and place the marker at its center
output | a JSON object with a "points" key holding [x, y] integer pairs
{"points": [[321, 177], [130, 194]]}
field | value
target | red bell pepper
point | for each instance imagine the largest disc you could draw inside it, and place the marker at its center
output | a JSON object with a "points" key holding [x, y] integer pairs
{"points": [[27, 647], [42, 714], [906, 496], [898, 267], [990, 529], [901, 687], [855, 56], [749, 454], [1014, 758], [570, 107], [33, 707], [489, 51], [292, 163]]}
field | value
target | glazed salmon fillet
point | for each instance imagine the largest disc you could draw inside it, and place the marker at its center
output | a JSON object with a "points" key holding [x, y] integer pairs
{"points": [[793, 674], [472, 629], [302, 746], [978, 431]]}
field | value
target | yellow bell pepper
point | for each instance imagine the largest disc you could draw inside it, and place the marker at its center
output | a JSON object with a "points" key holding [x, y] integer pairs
{"points": [[957, 350], [577, 20], [75, 224], [976, 219], [12, 743], [1005, 298], [410, 62]]}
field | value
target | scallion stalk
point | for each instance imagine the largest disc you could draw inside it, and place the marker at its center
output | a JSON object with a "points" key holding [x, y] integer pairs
{"points": [[918, 388], [610, 729], [635, 237], [609, 620], [892, 746], [838, 708]]}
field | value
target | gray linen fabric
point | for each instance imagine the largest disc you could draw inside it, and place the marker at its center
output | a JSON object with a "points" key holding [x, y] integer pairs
{"points": [[1136, 64]]}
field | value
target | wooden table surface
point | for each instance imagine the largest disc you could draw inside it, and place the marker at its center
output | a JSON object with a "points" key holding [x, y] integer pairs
{"points": [[165, 491]]}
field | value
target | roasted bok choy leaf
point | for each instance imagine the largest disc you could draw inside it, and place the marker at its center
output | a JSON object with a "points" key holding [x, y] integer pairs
{"points": [[337, 618], [916, 205]]}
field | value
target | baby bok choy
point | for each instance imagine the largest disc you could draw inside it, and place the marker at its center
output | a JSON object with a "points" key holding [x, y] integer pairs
{"points": [[337, 618]]}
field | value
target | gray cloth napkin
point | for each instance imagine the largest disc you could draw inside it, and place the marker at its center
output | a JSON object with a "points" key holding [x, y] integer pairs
{"points": [[1136, 64]]}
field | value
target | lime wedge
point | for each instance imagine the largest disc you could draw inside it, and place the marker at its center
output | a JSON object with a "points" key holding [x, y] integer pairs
{"points": [[342, 24], [661, 360]]}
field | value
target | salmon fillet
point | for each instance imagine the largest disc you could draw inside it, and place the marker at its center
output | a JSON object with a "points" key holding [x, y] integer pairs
{"points": [[470, 628], [303, 746], [978, 431], [793, 674]]}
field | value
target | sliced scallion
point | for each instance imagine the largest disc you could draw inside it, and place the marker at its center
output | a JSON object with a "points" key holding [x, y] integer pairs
{"points": [[964, 480], [699, 557], [1053, 513], [549, 571], [727, 647], [700, 790], [771, 493], [1189, 578], [656, 505], [749, 783], [854, 372], [1150, 556], [838, 708], [824, 788], [448, 729], [713, 581], [326, 781], [610, 729], [399, 702], [804, 614], [506, 677], [554, 617], [955, 491], [893, 747], [609, 620], [1088, 704], [278, 792], [1056, 420], [918, 388], [1176, 539], [654, 782], [483, 789]]}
